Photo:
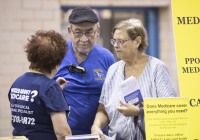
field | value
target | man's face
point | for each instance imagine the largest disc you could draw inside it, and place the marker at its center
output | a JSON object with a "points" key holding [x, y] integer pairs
{"points": [[83, 36]]}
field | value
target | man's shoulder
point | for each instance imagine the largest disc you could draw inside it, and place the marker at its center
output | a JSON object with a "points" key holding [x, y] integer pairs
{"points": [[103, 53], [101, 49]]}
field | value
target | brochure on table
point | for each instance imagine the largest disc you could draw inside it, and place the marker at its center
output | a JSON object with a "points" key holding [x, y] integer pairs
{"points": [[83, 137]]}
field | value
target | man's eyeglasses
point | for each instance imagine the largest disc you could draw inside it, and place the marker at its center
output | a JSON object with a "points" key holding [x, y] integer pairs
{"points": [[118, 42], [76, 69], [88, 34]]}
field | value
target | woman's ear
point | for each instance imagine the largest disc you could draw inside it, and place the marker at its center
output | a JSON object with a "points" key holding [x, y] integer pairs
{"points": [[138, 40]]}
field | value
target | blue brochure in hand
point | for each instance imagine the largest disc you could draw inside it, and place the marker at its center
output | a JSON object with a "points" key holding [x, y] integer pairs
{"points": [[134, 97], [131, 91]]}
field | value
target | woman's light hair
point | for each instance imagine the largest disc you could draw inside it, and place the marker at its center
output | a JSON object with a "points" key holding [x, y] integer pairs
{"points": [[134, 28]]}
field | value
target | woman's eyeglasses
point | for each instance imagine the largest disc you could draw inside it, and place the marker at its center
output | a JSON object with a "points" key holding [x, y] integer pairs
{"points": [[118, 42]]}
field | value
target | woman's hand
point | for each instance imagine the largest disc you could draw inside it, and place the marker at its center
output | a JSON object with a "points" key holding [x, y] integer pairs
{"points": [[62, 82], [96, 130], [128, 109]]}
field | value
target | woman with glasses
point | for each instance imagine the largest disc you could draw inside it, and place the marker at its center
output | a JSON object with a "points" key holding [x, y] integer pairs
{"points": [[125, 120]]}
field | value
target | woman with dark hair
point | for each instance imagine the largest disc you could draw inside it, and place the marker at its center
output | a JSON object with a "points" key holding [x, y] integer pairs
{"points": [[125, 120], [37, 102]]}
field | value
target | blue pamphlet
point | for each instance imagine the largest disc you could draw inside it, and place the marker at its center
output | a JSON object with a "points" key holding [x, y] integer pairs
{"points": [[134, 97], [131, 91]]}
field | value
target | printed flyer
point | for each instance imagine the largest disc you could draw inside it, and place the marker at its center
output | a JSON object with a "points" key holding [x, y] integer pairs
{"points": [[186, 22], [166, 118]]}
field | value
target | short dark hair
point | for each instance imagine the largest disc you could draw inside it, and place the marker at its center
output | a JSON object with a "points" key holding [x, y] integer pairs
{"points": [[82, 14], [134, 28], [45, 50]]}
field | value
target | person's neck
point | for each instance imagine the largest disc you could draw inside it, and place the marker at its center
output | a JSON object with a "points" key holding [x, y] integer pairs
{"points": [[49, 75], [80, 56], [135, 66], [137, 59]]}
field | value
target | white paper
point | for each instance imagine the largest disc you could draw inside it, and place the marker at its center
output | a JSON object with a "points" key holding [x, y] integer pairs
{"points": [[110, 138], [83, 137], [131, 91]]}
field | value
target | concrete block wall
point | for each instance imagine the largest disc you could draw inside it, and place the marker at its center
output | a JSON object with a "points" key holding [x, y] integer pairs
{"points": [[18, 20]]}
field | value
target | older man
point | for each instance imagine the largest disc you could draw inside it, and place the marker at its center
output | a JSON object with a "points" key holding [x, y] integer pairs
{"points": [[85, 67]]}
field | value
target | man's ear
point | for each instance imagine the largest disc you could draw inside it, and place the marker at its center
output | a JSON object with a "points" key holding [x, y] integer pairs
{"points": [[69, 29], [98, 32]]}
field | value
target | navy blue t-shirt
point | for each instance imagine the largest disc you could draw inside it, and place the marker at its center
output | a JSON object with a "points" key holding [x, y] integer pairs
{"points": [[32, 98], [83, 91]]}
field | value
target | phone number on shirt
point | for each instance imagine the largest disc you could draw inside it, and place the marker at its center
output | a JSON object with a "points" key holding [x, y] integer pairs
{"points": [[23, 120]]}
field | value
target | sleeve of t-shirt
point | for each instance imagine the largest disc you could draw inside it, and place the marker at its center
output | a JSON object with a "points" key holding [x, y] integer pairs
{"points": [[102, 97], [165, 87], [54, 99], [109, 59], [106, 87]]}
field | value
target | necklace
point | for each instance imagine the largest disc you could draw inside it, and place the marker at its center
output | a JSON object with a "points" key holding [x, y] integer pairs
{"points": [[124, 71]]}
